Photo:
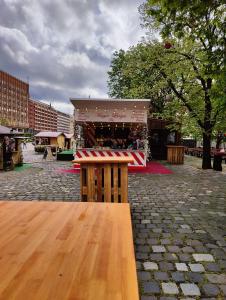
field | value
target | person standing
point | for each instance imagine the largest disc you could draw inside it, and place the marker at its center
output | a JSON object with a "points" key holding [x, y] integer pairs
{"points": [[45, 153], [24, 144]]}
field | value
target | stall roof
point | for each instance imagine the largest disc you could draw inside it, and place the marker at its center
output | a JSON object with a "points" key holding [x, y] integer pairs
{"points": [[4, 130], [7, 130], [109, 99], [49, 134], [109, 102], [111, 110], [69, 135]]}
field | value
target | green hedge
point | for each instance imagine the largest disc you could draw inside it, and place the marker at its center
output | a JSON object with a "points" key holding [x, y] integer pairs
{"points": [[41, 148]]}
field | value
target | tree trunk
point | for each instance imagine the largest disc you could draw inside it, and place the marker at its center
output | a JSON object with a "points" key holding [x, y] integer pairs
{"points": [[206, 159]]}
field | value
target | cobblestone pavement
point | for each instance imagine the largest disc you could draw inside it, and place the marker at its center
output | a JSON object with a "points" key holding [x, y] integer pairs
{"points": [[41, 182], [179, 225], [179, 230], [29, 154]]}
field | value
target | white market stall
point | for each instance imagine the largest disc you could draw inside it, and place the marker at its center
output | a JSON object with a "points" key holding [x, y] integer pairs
{"points": [[112, 127]]}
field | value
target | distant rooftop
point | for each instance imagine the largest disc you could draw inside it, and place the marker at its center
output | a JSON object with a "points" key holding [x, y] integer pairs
{"points": [[17, 78], [4, 130], [49, 134], [7, 130], [50, 105], [69, 135]]}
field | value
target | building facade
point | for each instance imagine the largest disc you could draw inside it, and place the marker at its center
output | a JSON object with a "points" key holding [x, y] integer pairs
{"points": [[72, 125], [63, 122], [42, 117], [14, 95]]}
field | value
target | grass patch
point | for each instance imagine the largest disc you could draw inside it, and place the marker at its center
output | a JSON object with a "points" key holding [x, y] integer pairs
{"points": [[67, 152], [23, 167]]}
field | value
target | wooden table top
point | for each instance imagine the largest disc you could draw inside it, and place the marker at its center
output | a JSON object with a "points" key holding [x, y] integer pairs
{"points": [[66, 250], [102, 160]]}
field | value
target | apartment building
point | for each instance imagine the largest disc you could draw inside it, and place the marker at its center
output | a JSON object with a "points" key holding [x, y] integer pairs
{"points": [[72, 124], [63, 122], [42, 117], [14, 95]]}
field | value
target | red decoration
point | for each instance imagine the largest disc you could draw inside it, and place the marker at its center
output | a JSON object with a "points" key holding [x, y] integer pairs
{"points": [[167, 45]]}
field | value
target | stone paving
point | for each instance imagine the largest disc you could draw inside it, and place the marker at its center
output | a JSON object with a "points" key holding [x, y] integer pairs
{"points": [[179, 225], [29, 155]]}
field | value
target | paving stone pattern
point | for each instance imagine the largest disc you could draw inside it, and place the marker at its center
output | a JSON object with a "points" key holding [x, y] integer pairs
{"points": [[185, 235], [41, 182], [179, 223]]}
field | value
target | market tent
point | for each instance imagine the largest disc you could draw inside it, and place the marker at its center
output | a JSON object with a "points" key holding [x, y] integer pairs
{"points": [[53, 134], [6, 130], [53, 138]]}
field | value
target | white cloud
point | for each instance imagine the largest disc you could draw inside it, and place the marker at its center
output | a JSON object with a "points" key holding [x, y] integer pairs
{"points": [[61, 106], [77, 60], [65, 47], [16, 45]]}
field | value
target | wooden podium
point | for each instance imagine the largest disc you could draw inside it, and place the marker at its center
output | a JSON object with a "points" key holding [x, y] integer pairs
{"points": [[104, 179]]}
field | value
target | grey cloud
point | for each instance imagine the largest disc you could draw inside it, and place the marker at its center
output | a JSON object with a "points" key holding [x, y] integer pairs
{"points": [[65, 47]]}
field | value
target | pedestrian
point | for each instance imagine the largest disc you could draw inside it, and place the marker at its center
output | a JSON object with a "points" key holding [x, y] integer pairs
{"points": [[24, 144], [45, 153]]}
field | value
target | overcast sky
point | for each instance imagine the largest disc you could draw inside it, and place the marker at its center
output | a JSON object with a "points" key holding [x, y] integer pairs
{"points": [[64, 47]]}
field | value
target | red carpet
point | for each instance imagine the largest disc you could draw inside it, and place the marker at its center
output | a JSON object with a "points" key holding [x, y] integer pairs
{"points": [[151, 168]]}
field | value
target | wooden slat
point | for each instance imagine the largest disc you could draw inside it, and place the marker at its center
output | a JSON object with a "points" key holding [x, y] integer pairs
{"points": [[99, 183], [81, 183], [107, 183], [64, 251], [124, 182], [90, 183], [115, 182], [115, 176], [175, 154]]}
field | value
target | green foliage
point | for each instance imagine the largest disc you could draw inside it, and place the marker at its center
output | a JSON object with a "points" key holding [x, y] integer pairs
{"points": [[185, 76], [198, 20], [171, 78], [4, 122], [120, 84], [199, 24], [134, 75], [40, 148], [191, 72]]}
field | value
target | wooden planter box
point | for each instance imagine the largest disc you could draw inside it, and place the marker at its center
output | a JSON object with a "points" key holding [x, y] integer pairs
{"points": [[175, 154], [104, 179]]}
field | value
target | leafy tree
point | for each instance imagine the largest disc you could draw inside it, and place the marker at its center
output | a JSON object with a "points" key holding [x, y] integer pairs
{"points": [[192, 63], [133, 75], [4, 121], [174, 79], [120, 84], [201, 23]]}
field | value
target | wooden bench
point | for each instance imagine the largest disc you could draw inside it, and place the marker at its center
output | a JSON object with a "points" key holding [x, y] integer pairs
{"points": [[66, 250], [104, 179]]}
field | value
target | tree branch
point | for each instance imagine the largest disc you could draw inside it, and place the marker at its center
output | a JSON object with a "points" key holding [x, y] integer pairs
{"points": [[206, 85], [181, 97], [213, 122]]}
